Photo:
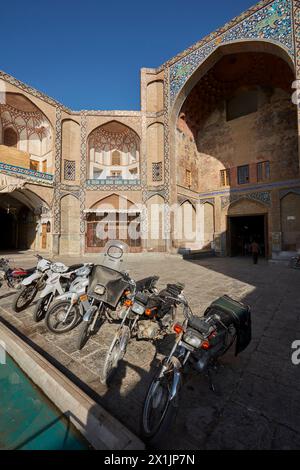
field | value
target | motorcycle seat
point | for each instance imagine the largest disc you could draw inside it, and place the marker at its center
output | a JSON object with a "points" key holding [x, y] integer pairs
{"points": [[147, 283], [199, 325], [31, 270]]}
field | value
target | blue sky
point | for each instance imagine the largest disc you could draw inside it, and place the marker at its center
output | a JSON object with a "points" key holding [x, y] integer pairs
{"points": [[87, 54]]}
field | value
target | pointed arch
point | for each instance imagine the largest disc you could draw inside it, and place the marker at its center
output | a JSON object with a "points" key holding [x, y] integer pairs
{"points": [[106, 142]]}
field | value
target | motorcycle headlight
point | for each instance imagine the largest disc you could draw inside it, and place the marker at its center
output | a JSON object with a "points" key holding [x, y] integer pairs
{"points": [[192, 338], [138, 309], [100, 290]]}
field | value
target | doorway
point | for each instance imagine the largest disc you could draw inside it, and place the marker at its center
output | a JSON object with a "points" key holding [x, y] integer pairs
{"points": [[8, 234], [243, 230]]}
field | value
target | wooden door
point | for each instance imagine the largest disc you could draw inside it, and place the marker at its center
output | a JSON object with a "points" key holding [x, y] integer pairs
{"points": [[44, 236]]}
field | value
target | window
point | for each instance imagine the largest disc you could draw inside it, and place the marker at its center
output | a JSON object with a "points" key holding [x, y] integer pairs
{"points": [[263, 171], [116, 175], [157, 171], [69, 170], [34, 165], [45, 166], [242, 104], [243, 174], [10, 137], [188, 178], [116, 158], [225, 177]]}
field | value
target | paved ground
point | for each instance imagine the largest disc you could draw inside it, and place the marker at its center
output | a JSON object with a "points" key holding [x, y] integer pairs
{"points": [[257, 401]]}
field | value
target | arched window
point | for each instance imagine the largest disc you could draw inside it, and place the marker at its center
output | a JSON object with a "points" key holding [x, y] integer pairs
{"points": [[10, 137], [116, 158]]}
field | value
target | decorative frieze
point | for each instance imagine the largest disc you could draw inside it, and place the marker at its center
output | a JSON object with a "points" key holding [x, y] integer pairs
{"points": [[263, 197]]}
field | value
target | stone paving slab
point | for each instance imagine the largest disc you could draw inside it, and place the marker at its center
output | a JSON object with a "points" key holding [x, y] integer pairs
{"points": [[256, 404]]}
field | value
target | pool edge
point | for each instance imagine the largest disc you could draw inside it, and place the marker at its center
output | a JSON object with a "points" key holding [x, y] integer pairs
{"points": [[100, 428]]}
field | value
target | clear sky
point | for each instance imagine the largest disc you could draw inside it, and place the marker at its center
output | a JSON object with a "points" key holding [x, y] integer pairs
{"points": [[87, 54]]}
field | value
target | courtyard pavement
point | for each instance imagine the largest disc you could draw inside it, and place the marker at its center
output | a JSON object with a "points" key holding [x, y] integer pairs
{"points": [[256, 404]]}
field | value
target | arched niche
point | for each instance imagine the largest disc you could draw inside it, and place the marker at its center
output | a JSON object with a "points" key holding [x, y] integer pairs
{"points": [[155, 153], [33, 139], [213, 129], [70, 150], [113, 217], [103, 143], [155, 96]]}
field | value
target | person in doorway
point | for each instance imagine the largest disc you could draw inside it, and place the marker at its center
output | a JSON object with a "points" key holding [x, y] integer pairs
{"points": [[255, 251]]}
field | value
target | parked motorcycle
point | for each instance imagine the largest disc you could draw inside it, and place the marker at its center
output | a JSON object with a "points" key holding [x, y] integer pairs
{"points": [[199, 344], [12, 276], [149, 318], [67, 311], [109, 287], [31, 285], [59, 281]]}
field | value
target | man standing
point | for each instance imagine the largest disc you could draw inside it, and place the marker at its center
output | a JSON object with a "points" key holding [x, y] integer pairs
{"points": [[255, 251]]}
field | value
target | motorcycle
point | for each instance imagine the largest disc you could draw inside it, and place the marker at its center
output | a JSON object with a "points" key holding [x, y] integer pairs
{"points": [[149, 318], [12, 276], [109, 293], [200, 343], [31, 285], [59, 280], [108, 288], [67, 310]]}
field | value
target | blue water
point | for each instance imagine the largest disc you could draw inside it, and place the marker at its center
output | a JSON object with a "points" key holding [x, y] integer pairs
{"points": [[28, 420]]}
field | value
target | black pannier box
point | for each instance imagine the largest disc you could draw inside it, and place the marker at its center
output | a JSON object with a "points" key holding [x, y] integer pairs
{"points": [[232, 311]]}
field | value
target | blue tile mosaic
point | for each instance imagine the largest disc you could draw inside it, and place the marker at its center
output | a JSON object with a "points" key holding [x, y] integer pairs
{"points": [[273, 23], [26, 172]]}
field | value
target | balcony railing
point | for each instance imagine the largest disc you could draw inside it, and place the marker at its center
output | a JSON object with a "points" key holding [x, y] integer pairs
{"points": [[114, 181], [17, 170]]}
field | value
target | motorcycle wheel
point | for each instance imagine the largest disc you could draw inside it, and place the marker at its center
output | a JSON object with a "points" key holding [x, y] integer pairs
{"points": [[24, 298], [115, 354], [40, 309], [14, 283], [55, 317], [84, 334], [159, 412]]}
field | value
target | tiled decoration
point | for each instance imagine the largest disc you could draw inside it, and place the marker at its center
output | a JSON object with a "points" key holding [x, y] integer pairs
{"points": [[264, 197], [157, 171], [37, 176], [272, 22], [69, 170]]}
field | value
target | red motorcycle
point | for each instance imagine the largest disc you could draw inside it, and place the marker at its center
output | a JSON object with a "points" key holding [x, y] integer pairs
{"points": [[12, 276]]}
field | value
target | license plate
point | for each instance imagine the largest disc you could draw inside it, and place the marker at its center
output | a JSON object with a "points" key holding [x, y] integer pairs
{"points": [[83, 297]]}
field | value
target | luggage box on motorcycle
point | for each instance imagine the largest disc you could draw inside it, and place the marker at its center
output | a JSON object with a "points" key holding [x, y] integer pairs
{"points": [[232, 311]]}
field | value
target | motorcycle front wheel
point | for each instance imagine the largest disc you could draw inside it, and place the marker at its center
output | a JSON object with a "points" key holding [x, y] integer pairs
{"points": [[159, 411], [24, 298], [56, 320], [41, 309], [115, 354]]}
